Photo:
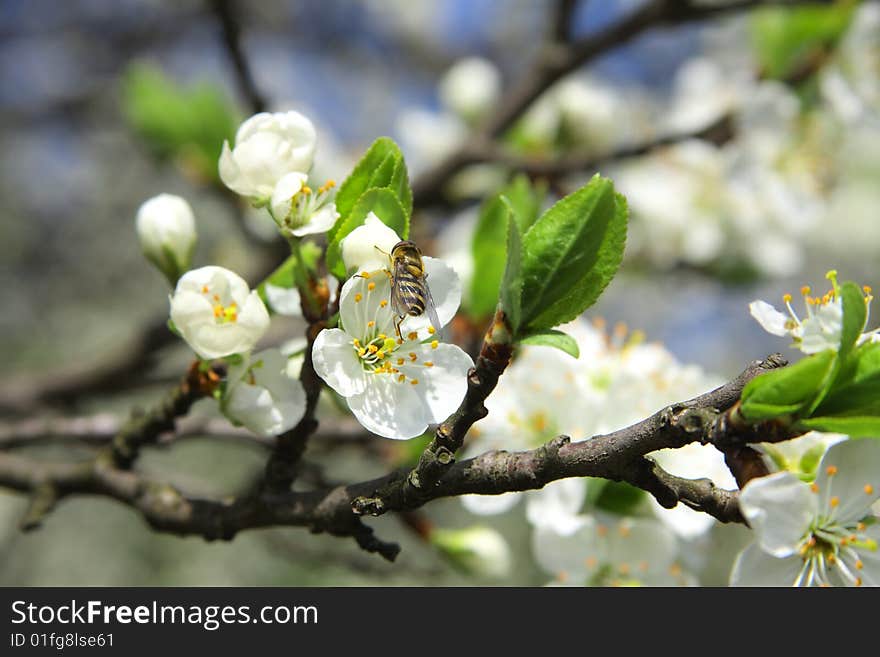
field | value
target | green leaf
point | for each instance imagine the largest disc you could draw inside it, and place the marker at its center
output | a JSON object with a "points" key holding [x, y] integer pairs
{"points": [[620, 497], [552, 338], [385, 205], [381, 166], [399, 184], [283, 276], [187, 123], [789, 390], [786, 39], [512, 280], [571, 253], [525, 199], [854, 426], [489, 250], [855, 314], [858, 393]]}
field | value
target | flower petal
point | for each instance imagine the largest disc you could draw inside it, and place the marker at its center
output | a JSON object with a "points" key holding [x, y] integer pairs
{"points": [[490, 505], [361, 303], [641, 546], [557, 505], [779, 508], [770, 319], [285, 189], [320, 222], [855, 481], [572, 556], [441, 373], [390, 408], [360, 248], [754, 567], [336, 362]]}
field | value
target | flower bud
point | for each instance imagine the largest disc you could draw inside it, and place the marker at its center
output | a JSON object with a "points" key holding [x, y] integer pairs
{"points": [[167, 232]]}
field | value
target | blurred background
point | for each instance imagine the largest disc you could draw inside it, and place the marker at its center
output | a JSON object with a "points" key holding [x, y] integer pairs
{"points": [[747, 144]]}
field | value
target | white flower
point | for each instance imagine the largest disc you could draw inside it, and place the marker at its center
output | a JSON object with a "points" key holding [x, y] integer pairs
{"points": [[693, 461], [167, 231], [267, 147], [478, 550], [368, 247], [298, 210], [814, 534], [604, 551], [216, 313], [395, 387], [262, 396], [800, 455], [470, 87], [822, 326]]}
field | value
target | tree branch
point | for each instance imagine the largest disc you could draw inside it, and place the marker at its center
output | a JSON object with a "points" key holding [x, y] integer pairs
{"points": [[620, 455], [226, 15]]}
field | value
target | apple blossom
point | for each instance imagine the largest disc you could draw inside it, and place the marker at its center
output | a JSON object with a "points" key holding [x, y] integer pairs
{"points": [[814, 534], [167, 231], [262, 396], [216, 313], [395, 387], [267, 147]]}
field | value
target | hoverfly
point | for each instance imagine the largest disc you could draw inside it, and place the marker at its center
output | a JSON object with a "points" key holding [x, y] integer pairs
{"points": [[410, 295]]}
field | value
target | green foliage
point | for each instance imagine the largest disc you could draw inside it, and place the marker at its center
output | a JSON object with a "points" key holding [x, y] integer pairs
{"points": [[489, 248], [512, 280], [188, 124], [284, 276], [553, 338], [616, 496], [381, 166], [378, 183], [385, 205], [785, 39], [570, 254], [836, 391], [788, 390]]}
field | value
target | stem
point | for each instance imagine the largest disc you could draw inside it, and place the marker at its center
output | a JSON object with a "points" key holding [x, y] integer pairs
{"points": [[311, 305]]}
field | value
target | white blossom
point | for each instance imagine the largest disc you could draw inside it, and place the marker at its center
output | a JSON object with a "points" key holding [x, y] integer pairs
{"points": [[216, 313], [814, 534], [471, 87], [609, 551], [395, 386], [262, 396], [167, 231], [267, 147]]}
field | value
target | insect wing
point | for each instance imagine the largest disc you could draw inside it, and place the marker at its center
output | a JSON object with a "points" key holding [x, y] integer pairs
{"points": [[431, 309], [398, 302]]}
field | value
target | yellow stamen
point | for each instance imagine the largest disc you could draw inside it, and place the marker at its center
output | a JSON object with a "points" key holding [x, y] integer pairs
{"points": [[400, 361], [401, 378], [371, 324], [204, 289], [434, 344], [412, 335], [371, 286], [373, 349], [429, 363], [358, 297], [814, 487], [365, 274], [834, 501], [362, 352], [859, 565], [383, 303], [805, 290], [786, 298], [869, 489], [431, 330], [412, 356], [380, 354], [831, 470], [415, 382]]}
